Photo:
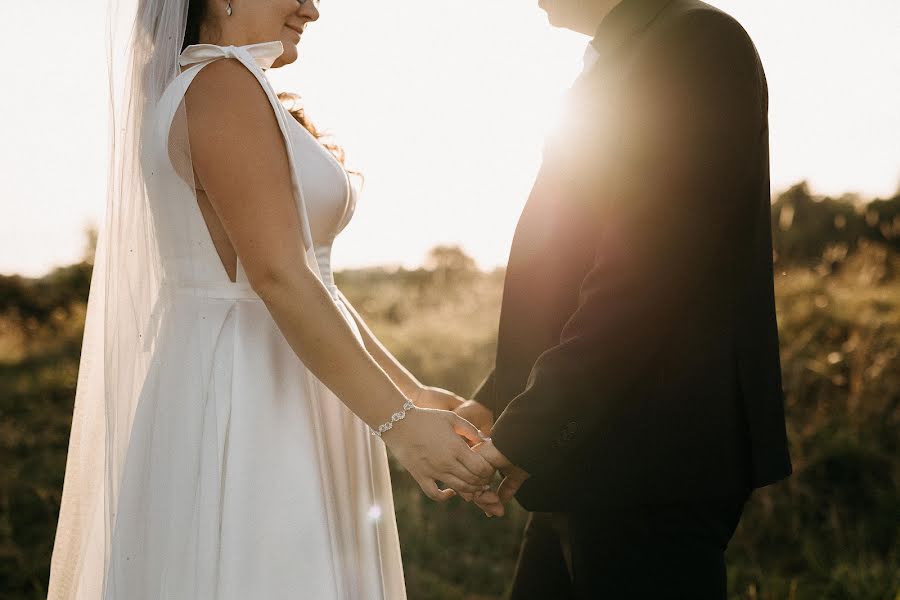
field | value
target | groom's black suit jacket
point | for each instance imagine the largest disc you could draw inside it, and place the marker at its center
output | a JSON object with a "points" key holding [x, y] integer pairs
{"points": [[637, 357]]}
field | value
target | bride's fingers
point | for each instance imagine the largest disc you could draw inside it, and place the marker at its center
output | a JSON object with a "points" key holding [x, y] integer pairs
{"points": [[429, 486], [459, 460], [488, 497], [459, 470], [459, 485], [475, 464], [476, 474]]}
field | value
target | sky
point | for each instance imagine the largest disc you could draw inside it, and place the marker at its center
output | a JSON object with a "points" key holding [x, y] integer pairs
{"points": [[443, 106]]}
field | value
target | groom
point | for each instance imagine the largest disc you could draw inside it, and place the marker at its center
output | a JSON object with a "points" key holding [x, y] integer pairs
{"points": [[637, 388]]}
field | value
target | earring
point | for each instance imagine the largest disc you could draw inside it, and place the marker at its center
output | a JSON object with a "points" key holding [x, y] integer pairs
{"points": [[228, 8]]}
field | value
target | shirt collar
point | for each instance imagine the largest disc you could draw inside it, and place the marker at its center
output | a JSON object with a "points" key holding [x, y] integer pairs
{"points": [[590, 57], [627, 18]]}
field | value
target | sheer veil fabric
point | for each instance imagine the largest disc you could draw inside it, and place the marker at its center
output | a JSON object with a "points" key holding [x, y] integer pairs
{"points": [[152, 247]]}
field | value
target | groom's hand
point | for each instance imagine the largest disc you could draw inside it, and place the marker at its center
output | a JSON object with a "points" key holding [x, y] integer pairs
{"points": [[492, 503]]}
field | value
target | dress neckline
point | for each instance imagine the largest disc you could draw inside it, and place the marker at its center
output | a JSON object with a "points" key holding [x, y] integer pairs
{"points": [[350, 200]]}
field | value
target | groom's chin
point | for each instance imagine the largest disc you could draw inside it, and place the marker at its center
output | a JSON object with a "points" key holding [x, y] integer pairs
{"points": [[544, 5], [552, 13]]}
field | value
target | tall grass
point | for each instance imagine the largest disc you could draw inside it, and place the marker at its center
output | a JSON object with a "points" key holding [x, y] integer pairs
{"points": [[828, 532]]}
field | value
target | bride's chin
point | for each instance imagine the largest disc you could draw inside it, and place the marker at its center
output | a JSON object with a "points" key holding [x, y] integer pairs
{"points": [[288, 56]]}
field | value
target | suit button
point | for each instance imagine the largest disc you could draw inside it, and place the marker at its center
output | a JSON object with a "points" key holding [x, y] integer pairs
{"points": [[567, 434]]}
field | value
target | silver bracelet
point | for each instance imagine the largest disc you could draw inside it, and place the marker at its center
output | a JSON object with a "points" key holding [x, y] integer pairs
{"points": [[394, 418]]}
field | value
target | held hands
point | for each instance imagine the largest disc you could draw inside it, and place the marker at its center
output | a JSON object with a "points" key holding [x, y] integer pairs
{"points": [[467, 477], [481, 417], [477, 414], [429, 443], [490, 501], [471, 410], [426, 396]]}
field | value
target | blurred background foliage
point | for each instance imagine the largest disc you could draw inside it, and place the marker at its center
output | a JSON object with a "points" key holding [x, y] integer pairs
{"points": [[828, 532]]}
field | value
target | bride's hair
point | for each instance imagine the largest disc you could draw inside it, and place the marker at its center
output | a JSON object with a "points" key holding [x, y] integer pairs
{"points": [[198, 10]]}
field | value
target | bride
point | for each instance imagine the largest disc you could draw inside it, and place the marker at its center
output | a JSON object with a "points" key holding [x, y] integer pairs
{"points": [[232, 408]]}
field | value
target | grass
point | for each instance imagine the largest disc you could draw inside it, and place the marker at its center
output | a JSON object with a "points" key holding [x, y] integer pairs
{"points": [[828, 532]]}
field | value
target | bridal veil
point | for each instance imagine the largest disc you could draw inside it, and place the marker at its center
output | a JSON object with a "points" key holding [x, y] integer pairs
{"points": [[128, 291]]}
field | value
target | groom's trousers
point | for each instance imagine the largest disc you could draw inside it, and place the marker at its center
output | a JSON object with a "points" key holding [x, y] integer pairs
{"points": [[664, 551]]}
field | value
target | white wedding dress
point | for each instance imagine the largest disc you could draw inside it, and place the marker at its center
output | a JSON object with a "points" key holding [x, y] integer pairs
{"points": [[236, 495]]}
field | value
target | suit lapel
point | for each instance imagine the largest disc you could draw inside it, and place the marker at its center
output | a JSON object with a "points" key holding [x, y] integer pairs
{"points": [[589, 128], [626, 21]]}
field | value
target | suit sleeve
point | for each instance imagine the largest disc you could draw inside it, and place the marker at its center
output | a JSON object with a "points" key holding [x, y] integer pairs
{"points": [[674, 187]]}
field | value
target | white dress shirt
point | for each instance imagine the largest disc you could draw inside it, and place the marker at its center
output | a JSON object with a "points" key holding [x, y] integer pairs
{"points": [[590, 57]]}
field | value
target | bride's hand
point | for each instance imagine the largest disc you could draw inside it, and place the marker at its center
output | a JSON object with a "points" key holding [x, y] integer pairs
{"points": [[427, 396], [429, 444]]}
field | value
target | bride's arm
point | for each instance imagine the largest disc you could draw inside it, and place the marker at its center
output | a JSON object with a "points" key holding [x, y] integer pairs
{"points": [[240, 159], [400, 375], [422, 395]]}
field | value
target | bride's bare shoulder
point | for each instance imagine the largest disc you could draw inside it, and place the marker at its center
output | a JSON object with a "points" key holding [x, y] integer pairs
{"points": [[226, 87], [228, 111]]}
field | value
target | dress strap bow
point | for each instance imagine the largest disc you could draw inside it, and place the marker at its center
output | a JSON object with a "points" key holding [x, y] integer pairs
{"points": [[263, 53]]}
